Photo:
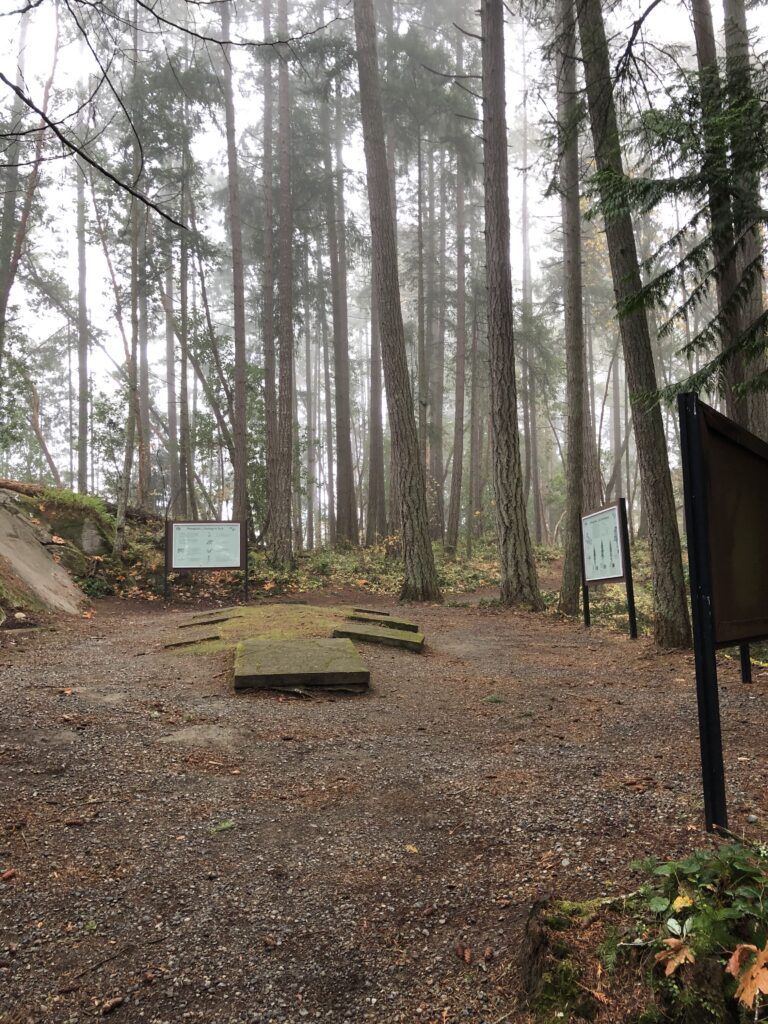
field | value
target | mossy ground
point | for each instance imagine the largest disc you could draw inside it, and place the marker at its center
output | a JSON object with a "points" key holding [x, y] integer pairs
{"points": [[273, 622]]}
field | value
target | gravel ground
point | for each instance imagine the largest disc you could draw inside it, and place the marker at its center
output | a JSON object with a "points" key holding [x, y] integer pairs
{"points": [[172, 852]]}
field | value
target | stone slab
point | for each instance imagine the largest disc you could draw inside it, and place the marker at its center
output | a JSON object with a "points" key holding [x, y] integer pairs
{"points": [[381, 635], [369, 611], [373, 619], [300, 665], [197, 638], [212, 621]]}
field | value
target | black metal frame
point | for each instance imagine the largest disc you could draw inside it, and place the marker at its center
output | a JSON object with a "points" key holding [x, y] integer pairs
{"points": [[626, 564], [697, 530]]}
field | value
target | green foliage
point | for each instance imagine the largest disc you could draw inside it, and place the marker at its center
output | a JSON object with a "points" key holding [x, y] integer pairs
{"points": [[87, 504]]}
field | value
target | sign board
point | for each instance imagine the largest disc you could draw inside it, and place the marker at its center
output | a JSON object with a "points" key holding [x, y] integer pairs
{"points": [[601, 541], [725, 485], [736, 499], [205, 546]]}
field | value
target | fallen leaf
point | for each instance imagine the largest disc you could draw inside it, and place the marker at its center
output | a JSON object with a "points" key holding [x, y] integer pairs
{"points": [[754, 978], [676, 954], [682, 901], [223, 826], [8, 875], [74, 822], [111, 1004], [55, 539], [410, 848]]}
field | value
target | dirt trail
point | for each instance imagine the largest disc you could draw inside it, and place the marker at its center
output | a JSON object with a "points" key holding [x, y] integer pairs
{"points": [[205, 857]]}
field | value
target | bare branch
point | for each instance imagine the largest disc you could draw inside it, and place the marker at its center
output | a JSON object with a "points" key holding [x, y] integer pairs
{"points": [[79, 151]]}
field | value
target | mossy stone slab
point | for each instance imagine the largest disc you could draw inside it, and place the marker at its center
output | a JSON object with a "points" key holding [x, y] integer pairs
{"points": [[381, 635], [373, 619], [299, 664]]}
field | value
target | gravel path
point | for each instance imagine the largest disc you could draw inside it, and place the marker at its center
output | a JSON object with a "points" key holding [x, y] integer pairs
{"points": [[174, 853]]}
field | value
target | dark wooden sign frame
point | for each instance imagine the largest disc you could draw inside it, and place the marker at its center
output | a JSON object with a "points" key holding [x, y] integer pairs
{"points": [[169, 567], [626, 565], [725, 482]]}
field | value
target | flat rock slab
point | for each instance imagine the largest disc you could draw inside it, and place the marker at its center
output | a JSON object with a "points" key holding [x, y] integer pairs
{"points": [[212, 621], [196, 638], [373, 619], [300, 665], [369, 611], [382, 635]]}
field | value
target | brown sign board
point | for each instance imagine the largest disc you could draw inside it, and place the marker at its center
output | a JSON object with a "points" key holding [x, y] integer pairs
{"points": [[736, 487]]}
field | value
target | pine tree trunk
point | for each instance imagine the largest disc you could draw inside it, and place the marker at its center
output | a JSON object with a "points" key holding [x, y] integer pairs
{"points": [[454, 504], [82, 338], [421, 340], [281, 552], [309, 406], [346, 513], [436, 478], [144, 430], [268, 291], [420, 581], [568, 134], [329, 445], [671, 624], [519, 584], [170, 378], [475, 427], [376, 525]]}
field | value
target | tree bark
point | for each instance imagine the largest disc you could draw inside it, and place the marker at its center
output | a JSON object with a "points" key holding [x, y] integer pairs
{"points": [[568, 134], [268, 290], [420, 581], [454, 503], [281, 551], [519, 584], [376, 524], [82, 338], [671, 624], [240, 503]]}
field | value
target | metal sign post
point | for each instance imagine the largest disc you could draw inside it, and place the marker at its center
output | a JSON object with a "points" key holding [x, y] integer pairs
{"points": [[697, 530], [605, 556]]}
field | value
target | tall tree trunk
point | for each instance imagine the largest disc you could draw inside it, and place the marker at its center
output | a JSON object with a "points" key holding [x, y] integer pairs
{"points": [[240, 504], [10, 194], [309, 405], [144, 429], [437, 374], [454, 503], [532, 446], [268, 290], [376, 524], [172, 401], [518, 570], [746, 128], [421, 340], [618, 450], [568, 133], [346, 513], [671, 624], [330, 447], [281, 552], [475, 437], [82, 338], [420, 581]]}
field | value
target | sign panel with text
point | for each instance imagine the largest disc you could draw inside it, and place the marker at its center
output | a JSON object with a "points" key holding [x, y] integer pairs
{"points": [[601, 540], [205, 546]]}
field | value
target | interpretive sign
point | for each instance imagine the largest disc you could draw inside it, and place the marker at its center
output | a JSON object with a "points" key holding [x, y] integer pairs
{"points": [[206, 545], [601, 539], [725, 482], [605, 556]]}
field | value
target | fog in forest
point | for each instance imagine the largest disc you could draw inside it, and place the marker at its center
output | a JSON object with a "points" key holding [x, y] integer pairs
{"points": [[382, 273]]}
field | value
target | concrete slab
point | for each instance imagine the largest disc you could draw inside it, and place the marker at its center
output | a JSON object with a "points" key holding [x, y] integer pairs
{"points": [[381, 635], [196, 638], [373, 619], [212, 621], [300, 665]]}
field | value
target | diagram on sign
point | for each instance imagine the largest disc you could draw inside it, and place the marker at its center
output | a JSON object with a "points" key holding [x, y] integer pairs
{"points": [[602, 545]]}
